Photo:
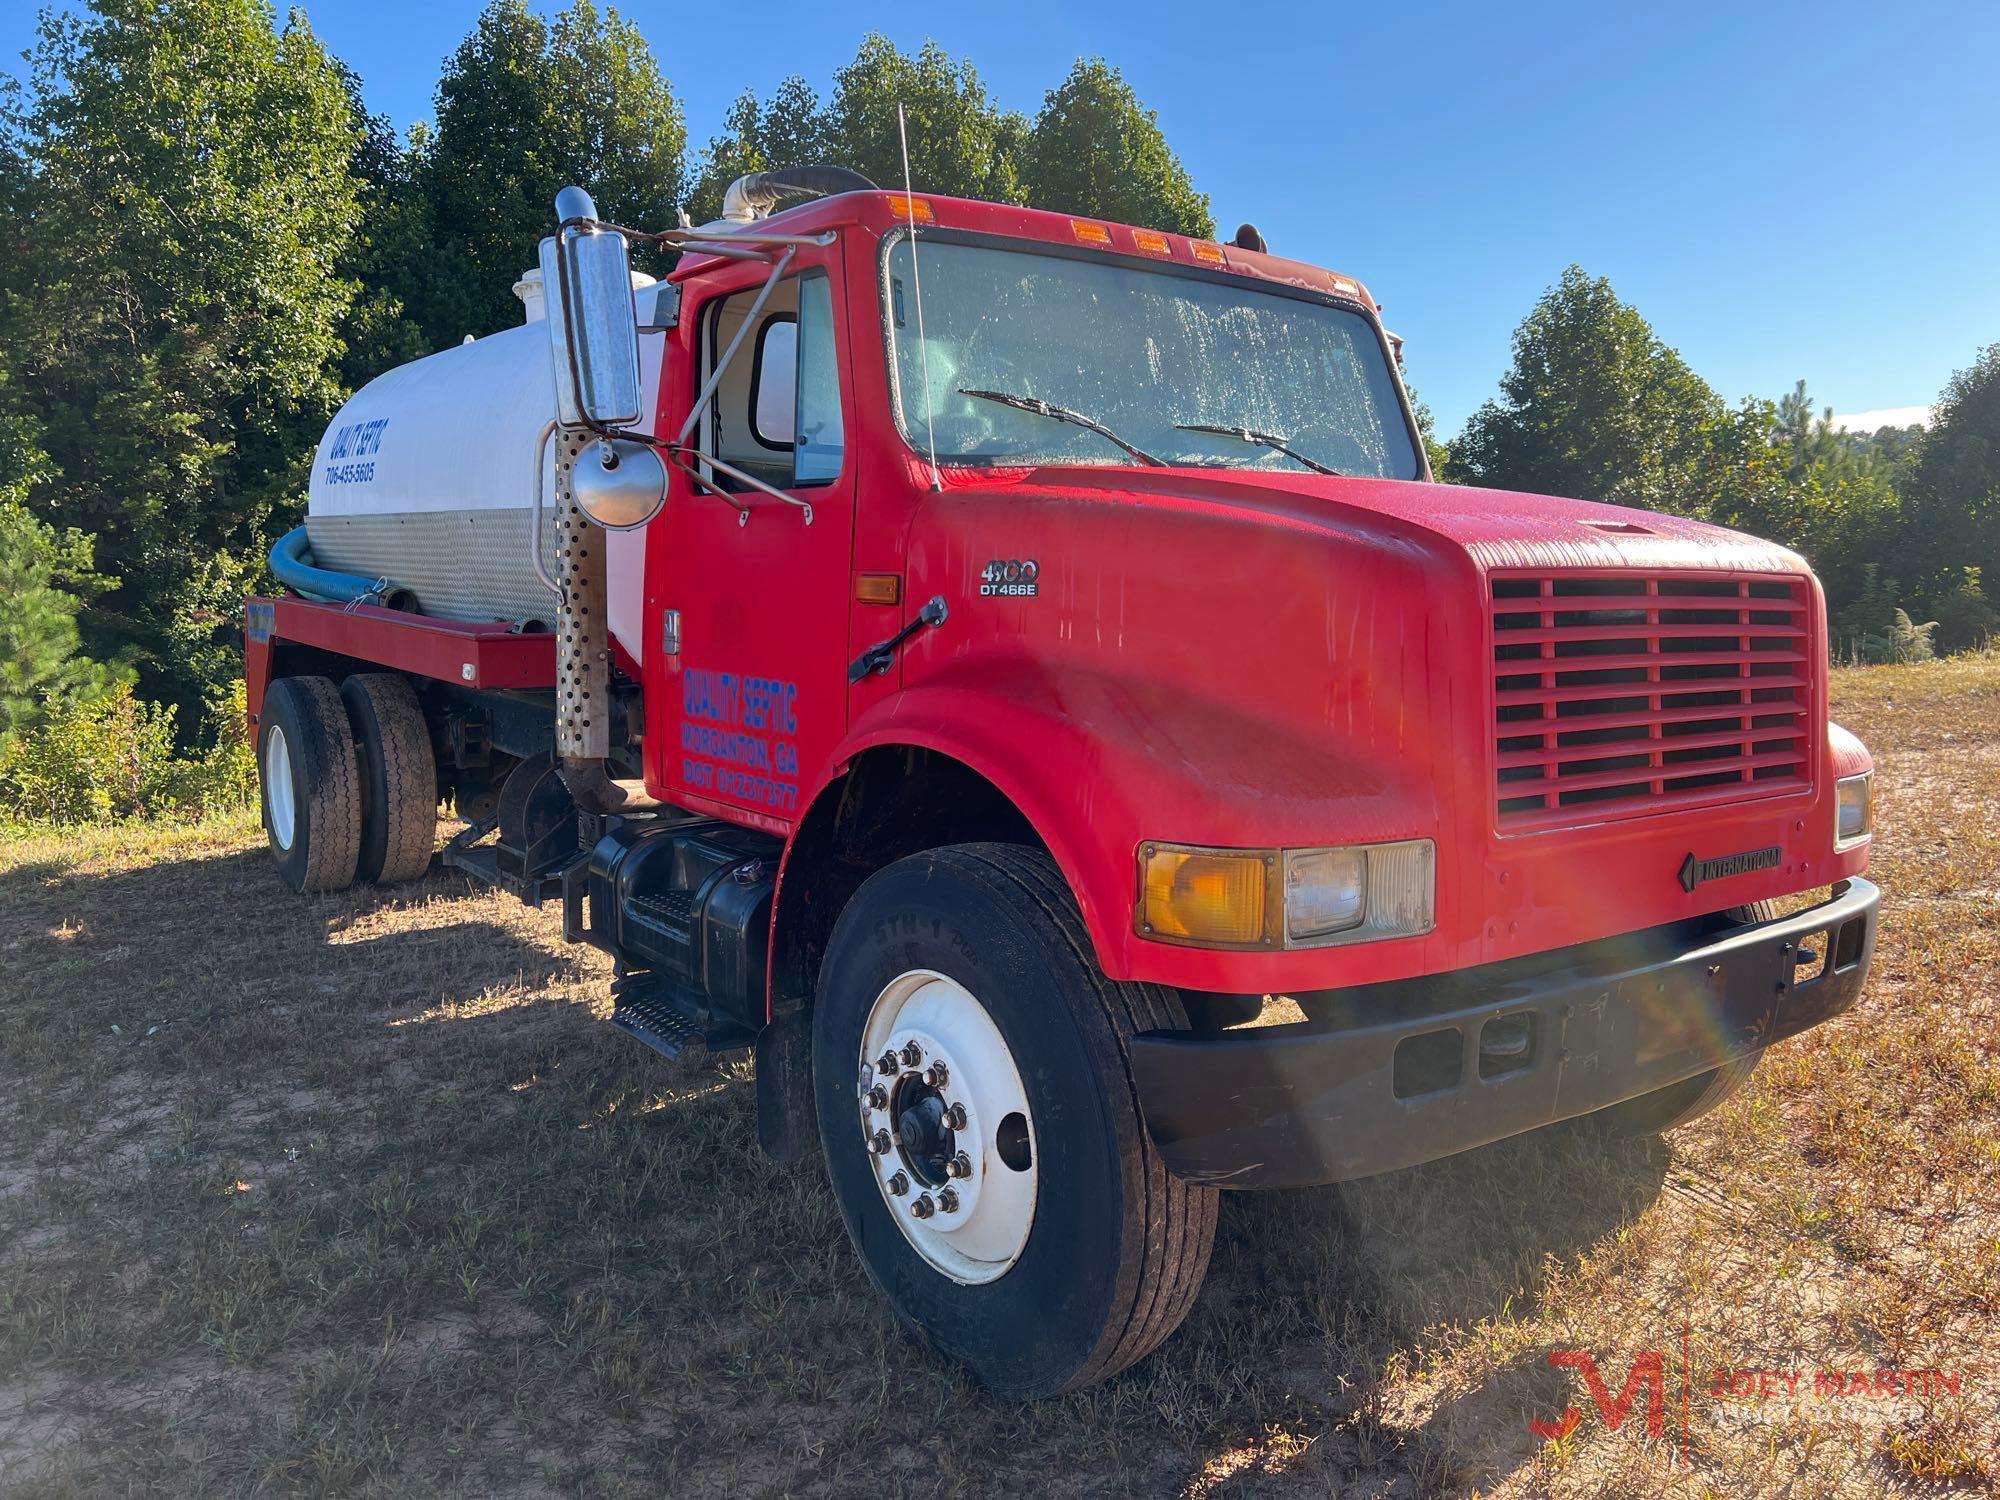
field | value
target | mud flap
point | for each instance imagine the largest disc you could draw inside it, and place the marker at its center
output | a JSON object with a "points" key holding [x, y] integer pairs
{"points": [[786, 1128]]}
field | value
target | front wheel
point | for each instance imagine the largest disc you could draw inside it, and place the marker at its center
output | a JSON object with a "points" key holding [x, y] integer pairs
{"points": [[981, 1129]]}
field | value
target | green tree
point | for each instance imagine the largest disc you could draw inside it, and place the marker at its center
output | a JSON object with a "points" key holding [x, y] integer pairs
{"points": [[1952, 507], [1095, 149], [1596, 406], [387, 249], [1439, 454], [793, 130], [46, 576], [524, 109], [1966, 618], [172, 300], [959, 141]]}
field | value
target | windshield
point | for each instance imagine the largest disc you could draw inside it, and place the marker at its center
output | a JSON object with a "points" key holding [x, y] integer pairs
{"points": [[1143, 352]]}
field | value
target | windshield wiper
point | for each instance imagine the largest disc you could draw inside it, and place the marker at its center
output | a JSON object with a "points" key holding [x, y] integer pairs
{"points": [[1064, 414], [1263, 440]]}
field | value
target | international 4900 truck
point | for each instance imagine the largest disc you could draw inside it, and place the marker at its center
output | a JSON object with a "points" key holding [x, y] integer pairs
{"points": [[1015, 673]]}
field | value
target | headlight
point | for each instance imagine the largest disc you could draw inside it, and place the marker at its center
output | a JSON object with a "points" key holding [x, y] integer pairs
{"points": [[1854, 810], [1326, 891], [1300, 898]]}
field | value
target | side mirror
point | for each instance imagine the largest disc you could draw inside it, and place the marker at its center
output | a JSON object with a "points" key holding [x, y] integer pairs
{"points": [[593, 331]]}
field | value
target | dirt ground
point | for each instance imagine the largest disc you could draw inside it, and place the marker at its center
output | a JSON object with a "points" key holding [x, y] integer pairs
{"points": [[359, 1194]]}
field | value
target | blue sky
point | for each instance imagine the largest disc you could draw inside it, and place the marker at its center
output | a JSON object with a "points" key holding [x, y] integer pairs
{"points": [[1785, 190]]}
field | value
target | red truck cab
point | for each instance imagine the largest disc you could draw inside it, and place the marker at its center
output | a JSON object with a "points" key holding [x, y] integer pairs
{"points": [[1095, 764]]}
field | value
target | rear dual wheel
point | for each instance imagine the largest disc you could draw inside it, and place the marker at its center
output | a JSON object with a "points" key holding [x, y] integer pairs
{"points": [[981, 1129], [311, 787], [348, 781]]}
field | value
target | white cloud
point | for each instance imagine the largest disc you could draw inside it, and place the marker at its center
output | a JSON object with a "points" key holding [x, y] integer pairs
{"points": [[1888, 416]]}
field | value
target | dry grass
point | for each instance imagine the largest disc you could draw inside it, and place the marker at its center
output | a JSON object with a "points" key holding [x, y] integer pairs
{"points": [[357, 1194]]}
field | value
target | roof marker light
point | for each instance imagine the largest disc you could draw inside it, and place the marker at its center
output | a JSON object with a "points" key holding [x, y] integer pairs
{"points": [[1151, 241], [907, 208], [1208, 254], [1090, 234]]}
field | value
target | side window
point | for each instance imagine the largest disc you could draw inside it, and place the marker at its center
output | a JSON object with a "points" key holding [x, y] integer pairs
{"points": [[776, 412], [820, 441]]}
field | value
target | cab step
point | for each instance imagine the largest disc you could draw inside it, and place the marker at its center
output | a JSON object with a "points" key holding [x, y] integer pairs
{"points": [[646, 1009]]}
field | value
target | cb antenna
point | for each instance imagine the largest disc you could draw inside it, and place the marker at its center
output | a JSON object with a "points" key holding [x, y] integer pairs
{"points": [[917, 276]]}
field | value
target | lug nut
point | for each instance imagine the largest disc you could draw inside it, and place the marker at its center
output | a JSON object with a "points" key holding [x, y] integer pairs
{"points": [[899, 1185], [959, 1166], [878, 1097], [954, 1116], [912, 1054], [886, 1064], [948, 1200], [923, 1208], [936, 1075], [879, 1143]]}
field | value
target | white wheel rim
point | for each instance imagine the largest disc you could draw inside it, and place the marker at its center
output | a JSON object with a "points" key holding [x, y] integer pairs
{"points": [[964, 1196], [278, 787]]}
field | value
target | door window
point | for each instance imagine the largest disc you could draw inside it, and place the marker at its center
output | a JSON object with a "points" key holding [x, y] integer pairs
{"points": [[776, 413]]}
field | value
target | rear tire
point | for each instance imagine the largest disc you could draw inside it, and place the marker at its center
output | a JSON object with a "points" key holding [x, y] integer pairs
{"points": [[1685, 1102], [399, 793], [311, 788], [983, 946]]}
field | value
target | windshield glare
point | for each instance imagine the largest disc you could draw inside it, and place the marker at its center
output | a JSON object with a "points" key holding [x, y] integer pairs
{"points": [[1142, 351]]}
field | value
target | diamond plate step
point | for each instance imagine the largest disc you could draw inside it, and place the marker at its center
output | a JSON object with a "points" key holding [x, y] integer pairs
{"points": [[647, 1013]]}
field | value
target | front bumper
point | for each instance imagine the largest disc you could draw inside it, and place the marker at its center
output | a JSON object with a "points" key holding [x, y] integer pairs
{"points": [[1385, 1076]]}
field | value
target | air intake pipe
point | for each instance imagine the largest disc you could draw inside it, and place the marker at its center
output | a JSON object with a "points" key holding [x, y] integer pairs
{"points": [[755, 194]]}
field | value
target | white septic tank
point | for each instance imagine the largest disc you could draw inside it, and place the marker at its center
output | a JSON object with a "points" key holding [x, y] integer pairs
{"points": [[427, 478]]}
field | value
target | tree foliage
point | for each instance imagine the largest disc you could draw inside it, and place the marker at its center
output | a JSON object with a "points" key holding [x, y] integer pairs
{"points": [[524, 109], [1095, 149], [1952, 504], [958, 136], [173, 297], [1594, 405]]}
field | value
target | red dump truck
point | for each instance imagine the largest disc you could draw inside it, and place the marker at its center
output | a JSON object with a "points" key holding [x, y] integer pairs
{"points": [[1016, 675]]}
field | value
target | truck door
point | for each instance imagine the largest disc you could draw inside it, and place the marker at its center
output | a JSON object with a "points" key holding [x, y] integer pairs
{"points": [[755, 698]]}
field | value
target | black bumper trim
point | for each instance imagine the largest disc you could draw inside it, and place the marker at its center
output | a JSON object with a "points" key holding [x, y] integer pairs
{"points": [[1327, 1100]]}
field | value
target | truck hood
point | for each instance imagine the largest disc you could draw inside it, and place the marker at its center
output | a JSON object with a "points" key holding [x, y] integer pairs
{"points": [[1498, 529]]}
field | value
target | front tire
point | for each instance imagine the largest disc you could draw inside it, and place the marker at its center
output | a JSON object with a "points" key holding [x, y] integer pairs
{"points": [[1069, 1252], [311, 790]]}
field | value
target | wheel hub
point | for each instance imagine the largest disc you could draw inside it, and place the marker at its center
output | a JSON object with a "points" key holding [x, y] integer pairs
{"points": [[944, 1117], [281, 814], [923, 1139]]}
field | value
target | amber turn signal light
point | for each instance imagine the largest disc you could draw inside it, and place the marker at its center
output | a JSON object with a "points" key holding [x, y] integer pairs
{"points": [[878, 588], [1217, 898]]}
